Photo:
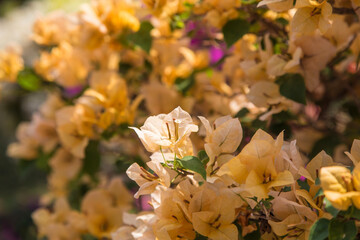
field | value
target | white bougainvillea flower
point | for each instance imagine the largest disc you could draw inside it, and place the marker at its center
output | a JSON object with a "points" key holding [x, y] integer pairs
{"points": [[214, 211], [222, 138], [354, 153], [267, 95], [311, 15], [137, 226], [277, 5], [146, 180], [166, 131]]}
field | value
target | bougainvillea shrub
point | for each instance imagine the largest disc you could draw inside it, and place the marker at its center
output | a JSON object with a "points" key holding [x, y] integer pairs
{"points": [[194, 119]]}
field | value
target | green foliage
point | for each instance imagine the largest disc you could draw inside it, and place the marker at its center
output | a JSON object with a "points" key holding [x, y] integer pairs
{"points": [[279, 123], [92, 158], [292, 86], [200, 237], [242, 113], [282, 21], [42, 162], [342, 230], [192, 163], [88, 237], [320, 229], [77, 191], [123, 162], [124, 67], [255, 235], [262, 203], [142, 38], [257, 123], [184, 84], [330, 209], [327, 143], [303, 185], [286, 189], [248, 2], [204, 158], [178, 20], [28, 80], [355, 213], [319, 193], [233, 30], [115, 130]]}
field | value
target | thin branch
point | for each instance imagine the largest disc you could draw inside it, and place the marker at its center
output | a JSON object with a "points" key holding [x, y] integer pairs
{"points": [[344, 11]]}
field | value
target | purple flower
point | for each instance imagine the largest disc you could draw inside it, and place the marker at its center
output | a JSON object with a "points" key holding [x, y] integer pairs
{"points": [[216, 54], [302, 178], [73, 91], [144, 201], [190, 26]]}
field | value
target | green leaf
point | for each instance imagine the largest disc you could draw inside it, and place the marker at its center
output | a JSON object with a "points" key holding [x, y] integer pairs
{"points": [[142, 38], [286, 189], [113, 130], [194, 164], [124, 67], [92, 159], [350, 230], [340, 229], [77, 191], [280, 48], [336, 229], [303, 185], [255, 235], [327, 143], [278, 127], [292, 86], [242, 113], [255, 28], [28, 80], [282, 21], [88, 237], [233, 30], [209, 72], [184, 84], [123, 162], [355, 213], [330, 209], [248, 2], [42, 162], [319, 193], [257, 123], [204, 158], [177, 21], [200, 237], [320, 229]]}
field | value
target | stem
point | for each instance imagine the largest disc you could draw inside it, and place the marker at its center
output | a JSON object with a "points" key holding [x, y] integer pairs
{"points": [[344, 10], [165, 161]]}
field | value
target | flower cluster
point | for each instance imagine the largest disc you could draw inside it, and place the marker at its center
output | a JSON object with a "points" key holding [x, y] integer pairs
{"points": [[267, 188], [273, 83]]}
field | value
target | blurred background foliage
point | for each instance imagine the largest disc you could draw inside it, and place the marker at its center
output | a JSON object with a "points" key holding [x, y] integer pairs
{"points": [[8, 5], [20, 184]]}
